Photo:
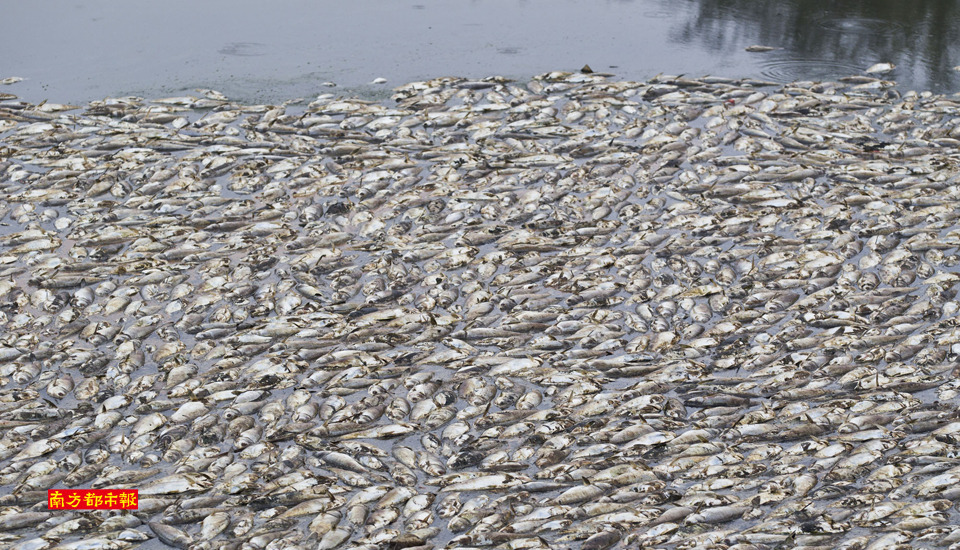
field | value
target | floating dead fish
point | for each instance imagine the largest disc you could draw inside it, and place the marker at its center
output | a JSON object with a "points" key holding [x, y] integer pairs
{"points": [[759, 48], [573, 312]]}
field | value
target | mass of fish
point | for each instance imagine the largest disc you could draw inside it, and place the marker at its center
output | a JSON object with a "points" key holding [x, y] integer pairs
{"points": [[570, 313]]}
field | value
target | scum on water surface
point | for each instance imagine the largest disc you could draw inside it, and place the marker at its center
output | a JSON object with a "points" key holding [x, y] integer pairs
{"points": [[574, 312]]}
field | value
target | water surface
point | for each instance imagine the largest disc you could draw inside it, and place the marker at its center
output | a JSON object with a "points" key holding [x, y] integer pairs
{"points": [[81, 51]]}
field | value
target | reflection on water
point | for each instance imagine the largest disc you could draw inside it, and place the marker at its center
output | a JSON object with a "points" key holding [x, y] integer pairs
{"points": [[831, 39]]}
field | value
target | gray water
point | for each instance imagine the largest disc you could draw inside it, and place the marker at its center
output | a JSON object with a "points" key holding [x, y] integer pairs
{"points": [[257, 52]]}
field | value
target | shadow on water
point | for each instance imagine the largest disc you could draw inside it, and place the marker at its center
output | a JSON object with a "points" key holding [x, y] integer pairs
{"points": [[817, 39]]}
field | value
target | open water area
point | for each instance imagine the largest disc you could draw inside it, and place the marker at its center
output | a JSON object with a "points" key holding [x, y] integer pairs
{"points": [[693, 297], [93, 50]]}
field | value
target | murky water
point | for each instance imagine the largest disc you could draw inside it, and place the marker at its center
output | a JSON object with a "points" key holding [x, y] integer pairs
{"points": [[91, 50]]}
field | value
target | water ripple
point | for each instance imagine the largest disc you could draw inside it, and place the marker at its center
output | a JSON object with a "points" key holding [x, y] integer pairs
{"points": [[861, 26], [243, 49], [792, 69]]}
